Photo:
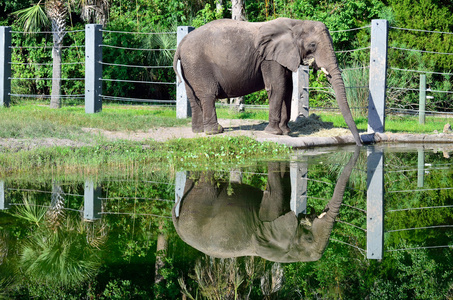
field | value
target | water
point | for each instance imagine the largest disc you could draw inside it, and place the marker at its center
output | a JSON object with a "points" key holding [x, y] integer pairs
{"points": [[265, 230]]}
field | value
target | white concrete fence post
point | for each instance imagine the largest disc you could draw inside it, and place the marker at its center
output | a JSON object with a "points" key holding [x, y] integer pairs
{"points": [[378, 76], [182, 102], [299, 101], [93, 68]]}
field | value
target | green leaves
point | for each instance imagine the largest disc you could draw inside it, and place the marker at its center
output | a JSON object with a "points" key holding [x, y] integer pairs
{"points": [[32, 18]]}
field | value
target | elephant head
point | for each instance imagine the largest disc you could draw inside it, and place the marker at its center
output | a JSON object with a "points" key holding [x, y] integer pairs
{"points": [[294, 42], [232, 220]]}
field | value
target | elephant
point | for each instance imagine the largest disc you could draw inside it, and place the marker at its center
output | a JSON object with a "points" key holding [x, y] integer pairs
{"points": [[226, 220], [228, 58]]}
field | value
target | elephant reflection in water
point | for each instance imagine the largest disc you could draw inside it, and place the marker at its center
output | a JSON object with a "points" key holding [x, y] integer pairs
{"points": [[231, 220]]}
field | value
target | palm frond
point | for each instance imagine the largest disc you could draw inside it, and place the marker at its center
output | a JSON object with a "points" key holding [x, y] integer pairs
{"points": [[30, 211], [32, 18]]}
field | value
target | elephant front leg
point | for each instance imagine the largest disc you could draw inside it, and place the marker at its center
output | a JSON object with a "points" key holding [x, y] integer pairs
{"points": [[278, 84], [286, 108]]}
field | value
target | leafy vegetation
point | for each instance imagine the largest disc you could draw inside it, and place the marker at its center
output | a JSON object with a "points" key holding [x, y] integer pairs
{"points": [[119, 251], [150, 16]]}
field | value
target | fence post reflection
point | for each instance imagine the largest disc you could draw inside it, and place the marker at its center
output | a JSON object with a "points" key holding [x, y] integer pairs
{"points": [[92, 202], [298, 174], [375, 202], [421, 167], [3, 200], [180, 183]]}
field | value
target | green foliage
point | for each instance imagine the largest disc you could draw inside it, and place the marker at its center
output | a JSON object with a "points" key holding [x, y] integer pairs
{"points": [[206, 15]]}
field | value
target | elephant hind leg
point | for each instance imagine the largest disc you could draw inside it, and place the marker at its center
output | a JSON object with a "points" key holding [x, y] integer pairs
{"points": [[210, 122], [197, 111]]}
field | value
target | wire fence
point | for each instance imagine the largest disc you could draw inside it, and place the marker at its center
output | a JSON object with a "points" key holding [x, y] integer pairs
{"points": [[137, 68]]}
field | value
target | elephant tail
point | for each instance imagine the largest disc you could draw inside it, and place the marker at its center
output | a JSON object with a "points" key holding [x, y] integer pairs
{"points": [[175, 64]]}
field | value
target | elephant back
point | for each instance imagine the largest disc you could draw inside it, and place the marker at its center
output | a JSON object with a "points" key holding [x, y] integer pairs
{"points": [[219, 220]]}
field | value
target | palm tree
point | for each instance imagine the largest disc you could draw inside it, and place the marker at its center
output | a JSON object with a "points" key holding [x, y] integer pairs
{"points": [[56, 11]]}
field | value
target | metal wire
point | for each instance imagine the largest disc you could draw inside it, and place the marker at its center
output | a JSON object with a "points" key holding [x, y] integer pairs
{"points": [[359, 209], [134, 32], [44, 47], [47, 96], [417, 228], [416, 208], [421, 51], [16, 78], [421, 30], [46, 192], [358, 248], [133, 214], [355, 226], [358, 68], [423, 72], [421, 190], [416, 111], [137, 81], [352, 29], [137, 99], [358, 49], [45, 64], [417, 90], [135, 66], [140, 49], [135, 198], [420, 248], [46, 32]]}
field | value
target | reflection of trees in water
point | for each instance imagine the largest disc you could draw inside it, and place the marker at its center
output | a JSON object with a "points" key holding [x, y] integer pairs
{"points": [[234, 278], [61, 249]]}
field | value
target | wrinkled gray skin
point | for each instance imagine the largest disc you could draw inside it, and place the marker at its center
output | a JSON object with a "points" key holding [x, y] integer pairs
{"points": [[228, 58], [241, 220]]}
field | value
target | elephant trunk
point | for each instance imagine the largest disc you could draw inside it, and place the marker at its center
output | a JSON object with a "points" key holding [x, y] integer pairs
{"points": [[323, 226], [333, 207], [328, 61]]}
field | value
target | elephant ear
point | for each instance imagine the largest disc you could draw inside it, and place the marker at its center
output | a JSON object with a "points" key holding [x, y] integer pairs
{"points": [[274, 239], [275, 41]]}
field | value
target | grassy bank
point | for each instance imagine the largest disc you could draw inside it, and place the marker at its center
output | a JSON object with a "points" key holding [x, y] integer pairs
{"points": [[94, 153]]}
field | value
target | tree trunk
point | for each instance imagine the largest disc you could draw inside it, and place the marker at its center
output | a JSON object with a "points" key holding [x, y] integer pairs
{"points": [[219, 6], [161, 252], [57, 12], [56, 77], [238, 13]]}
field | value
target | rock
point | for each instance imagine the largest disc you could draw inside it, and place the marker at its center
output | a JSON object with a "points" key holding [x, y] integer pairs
{"points": [[447, 128]]}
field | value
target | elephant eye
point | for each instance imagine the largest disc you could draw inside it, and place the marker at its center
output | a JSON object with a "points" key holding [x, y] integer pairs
{"points": [[312, 46]]}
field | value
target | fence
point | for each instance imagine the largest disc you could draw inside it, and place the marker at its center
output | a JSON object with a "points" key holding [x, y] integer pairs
{"points": [[383, 85]]}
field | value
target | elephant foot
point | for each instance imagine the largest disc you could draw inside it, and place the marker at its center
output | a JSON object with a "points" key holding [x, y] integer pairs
{"points": [[285, 129], [273, 129], [197, 129], [213, 129]]}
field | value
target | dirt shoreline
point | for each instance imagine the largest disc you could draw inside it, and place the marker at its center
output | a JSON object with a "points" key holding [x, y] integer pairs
{"points": [[308, 132]]}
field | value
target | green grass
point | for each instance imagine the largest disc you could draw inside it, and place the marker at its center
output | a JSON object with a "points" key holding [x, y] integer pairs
{"points": [[393, 123], [31, 121], [133, 158]]}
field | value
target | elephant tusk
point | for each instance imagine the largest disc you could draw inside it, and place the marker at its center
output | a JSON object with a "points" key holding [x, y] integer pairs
{"points": [[325, 71], [322, 215]]}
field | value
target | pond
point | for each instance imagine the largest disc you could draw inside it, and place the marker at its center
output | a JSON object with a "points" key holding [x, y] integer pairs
{"points": [[346, 222]]}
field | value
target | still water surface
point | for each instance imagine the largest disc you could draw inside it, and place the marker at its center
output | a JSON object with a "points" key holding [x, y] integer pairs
{"points": [[337, 223]]}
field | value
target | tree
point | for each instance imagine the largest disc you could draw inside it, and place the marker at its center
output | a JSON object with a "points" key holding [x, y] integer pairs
{"points": [[56, 11]]}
